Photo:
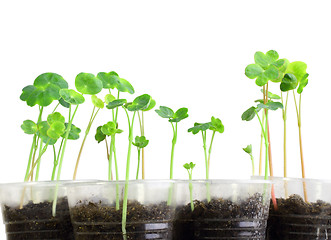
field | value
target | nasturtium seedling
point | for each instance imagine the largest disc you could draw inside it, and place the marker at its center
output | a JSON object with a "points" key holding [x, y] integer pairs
{"points": [[140, 142], [44, 90], [249, 151], [110, 129], [189, 167]]}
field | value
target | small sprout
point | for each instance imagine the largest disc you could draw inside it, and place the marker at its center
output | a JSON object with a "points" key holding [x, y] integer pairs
{"points": [[140, 142], [189, 167], [248, 150], [110, 129]]}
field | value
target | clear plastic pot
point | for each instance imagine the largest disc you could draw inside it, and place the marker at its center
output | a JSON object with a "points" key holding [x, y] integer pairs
{"points": [[27, 211], [221, 209], [303, 210], [97, 210]]}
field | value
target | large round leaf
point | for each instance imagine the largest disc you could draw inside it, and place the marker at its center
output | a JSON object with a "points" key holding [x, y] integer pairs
{"points": [[124, 86], [87, 83], [109, 80], [45, 90], [72, 97], [140, 103]]}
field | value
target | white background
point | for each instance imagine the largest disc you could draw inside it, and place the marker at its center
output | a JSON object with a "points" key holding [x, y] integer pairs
{"points": [[184, 54]]}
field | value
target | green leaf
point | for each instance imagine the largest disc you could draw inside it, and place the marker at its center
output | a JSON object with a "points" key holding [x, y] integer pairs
{"points": [[97, 102], [140, 142], [29, 127], [72, 97], [56, 129], [74, 132], [140, 103], [189, 166], [271, 105], [199, 127], [261, 80], [64, 103], [289, 82], [281, 64], [271, 73], [249, 114], [165, 112], [151, 105], [248, 149], [42, 133], [298, 69], [179, 115], [55, 117], [109, 98], [110, 129], [109, 80], [116, 103], [124, 86], [99, 135], [272, 56], [252, 71], [44, 91], [87, 83], [261, 59], [216, 125], [303, 83], [270, 96]]}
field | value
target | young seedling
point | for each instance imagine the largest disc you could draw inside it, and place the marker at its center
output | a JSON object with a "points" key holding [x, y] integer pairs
{"points": [[139, 103], [215, 126], [140, 142], [296, 77], [189, 167], [142, 133], [43, 92], [267, 67], [111, 80], [248, 150], [174, 118]]}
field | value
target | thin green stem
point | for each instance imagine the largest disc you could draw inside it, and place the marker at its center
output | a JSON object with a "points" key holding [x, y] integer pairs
{"points": [[204, 139], [56, 162], [30, 157], [284, 113], [174, 141], [110, 160], [191, 189], [210, 147], [38, 165], [253, 167], [137, 175]]}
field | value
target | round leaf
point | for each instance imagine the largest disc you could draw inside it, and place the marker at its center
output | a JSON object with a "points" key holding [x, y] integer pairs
{"points": [[289, 82], [110, 129], [140, 142], [165, 112], [271, 73], [199, 127], [216, 125], [74, 132], [272, 56], [29, 127], [303, 83], [109, 80], [124, 86], [55, 117], [45, 90], [97, 102], [261, 59], [56, 129], [99, 135], [140, 103], [252, 71], [116, 103], [180, 114], [249, 114], [42, 132], [151, 105], [87, 83], [72, 97], [109, 98], [261, 80]]}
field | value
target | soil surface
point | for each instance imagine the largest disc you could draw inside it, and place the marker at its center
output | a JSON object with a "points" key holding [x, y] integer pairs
{"points": [[222, 219], [102, 221], [35, 221], [296, 219]]}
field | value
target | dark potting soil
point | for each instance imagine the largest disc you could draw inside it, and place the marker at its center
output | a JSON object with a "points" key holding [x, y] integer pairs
{"points": [[296, 219], [100, 221], [222, 219], [35, 221]]}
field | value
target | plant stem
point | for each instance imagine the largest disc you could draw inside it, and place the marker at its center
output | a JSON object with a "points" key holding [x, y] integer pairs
{"points": [[62, 156], [191, 190], [266, 99], [261, 147], [284, 114], [56, 161], [38, 165], [253, 167], [30, 157], [137, 175], [204, 136], [174, 141], [209, 151], [127, 175]]}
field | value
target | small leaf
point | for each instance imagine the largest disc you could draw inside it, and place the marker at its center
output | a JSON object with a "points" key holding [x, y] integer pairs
{"points": [[151, 105], [261, 59], [87, 83], [165, 112], [249, 114], [189, 166], [248, 149], [29, 127], [26, 92], [289, 82], [64, 103], [270, 96], [56, 129], [97, 102], [303, 83], [109, 80], [109, 98], [140, 142], [116, 103], [124, 86], [272, 56], [216, 125], [99, 135], [298, 69], [179, 115], [261, 80], [72, 97], [110, 129], [199, 127], [42, 133], [252, 71], [140, 103], [281, 64], [55, 117], [74, 132], [271, 105]]}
